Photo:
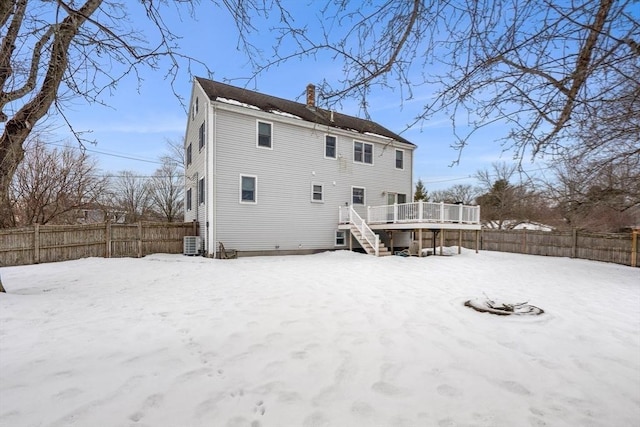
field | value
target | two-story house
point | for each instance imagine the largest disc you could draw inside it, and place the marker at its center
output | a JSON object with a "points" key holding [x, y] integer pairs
{"points": [[268, 175]]}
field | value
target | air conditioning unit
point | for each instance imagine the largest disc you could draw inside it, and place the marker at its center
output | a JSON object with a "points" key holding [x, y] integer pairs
{"points": [[192, 245]]}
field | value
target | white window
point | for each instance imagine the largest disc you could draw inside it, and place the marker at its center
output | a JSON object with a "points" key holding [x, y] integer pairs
{"points": [[189, 199], [248, 189], [362, 152], [201, 191], [264, 135], [341, 237], [317, 193], [201, 136], [399, 159], [357, 195], [330, 147]]}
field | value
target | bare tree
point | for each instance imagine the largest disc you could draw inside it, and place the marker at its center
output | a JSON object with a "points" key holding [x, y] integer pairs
{"points": [[594, 195], [52, 184], [166, 187], [505, 203], [131, 195], [52, 51], [540, 67], [459, 193]]}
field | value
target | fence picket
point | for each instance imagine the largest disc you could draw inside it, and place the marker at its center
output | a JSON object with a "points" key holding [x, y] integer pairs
{"points": [[51, 243]]}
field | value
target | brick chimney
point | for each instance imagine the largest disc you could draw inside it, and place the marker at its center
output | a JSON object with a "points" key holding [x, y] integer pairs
{"points": [[311, 95]]}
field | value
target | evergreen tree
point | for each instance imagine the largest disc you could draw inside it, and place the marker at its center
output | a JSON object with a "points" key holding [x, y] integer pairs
{"points": [[420, 193]]}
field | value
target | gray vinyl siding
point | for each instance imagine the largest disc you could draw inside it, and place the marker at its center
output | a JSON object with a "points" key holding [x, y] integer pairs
{"points": [[284, 217], [196, 169]]}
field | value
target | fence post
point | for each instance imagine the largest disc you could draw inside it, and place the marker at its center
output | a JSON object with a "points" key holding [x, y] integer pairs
{"points": [[139, 239], [36, 243], [574, 243], [634, 247], [524, 240], [107, 239]]}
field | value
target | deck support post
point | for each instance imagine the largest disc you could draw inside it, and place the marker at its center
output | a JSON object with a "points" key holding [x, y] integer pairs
{"points": [[442, 233], [459, 241], [477, 240], [420, 242]]}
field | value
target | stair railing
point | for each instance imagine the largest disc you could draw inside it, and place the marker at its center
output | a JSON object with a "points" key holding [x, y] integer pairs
{"points": [[367, 233]]}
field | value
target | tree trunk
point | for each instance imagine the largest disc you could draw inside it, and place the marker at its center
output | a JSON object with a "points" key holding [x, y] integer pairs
{"points": [[17, 129], [11, 154]]}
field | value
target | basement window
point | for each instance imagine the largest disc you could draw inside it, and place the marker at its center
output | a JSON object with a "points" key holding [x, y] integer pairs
{"points": [[341, 238]]}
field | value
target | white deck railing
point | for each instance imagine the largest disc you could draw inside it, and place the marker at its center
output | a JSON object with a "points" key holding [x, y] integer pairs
{"points": [[350, 216], [417, 212], [423, 212]]}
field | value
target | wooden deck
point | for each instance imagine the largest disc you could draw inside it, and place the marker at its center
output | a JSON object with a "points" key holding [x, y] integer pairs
{"points": [[418, 217]]}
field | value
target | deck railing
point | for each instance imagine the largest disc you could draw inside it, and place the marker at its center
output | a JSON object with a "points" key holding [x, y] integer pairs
{"points": [[423, 212], [350, 216]]}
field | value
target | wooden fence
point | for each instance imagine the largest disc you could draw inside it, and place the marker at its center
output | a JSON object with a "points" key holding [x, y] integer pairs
{"points": [[619, 248], [51, 243]]}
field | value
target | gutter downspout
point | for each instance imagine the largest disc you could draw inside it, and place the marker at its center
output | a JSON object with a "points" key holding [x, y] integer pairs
{"points": [[214, 180]]}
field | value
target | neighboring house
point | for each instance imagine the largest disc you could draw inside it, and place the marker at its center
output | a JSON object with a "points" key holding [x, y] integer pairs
{"points": [[268, 175]]}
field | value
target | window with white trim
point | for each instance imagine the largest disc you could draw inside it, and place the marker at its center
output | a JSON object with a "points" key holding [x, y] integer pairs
{"points": [[330, 147], [189, 199], [357, 195], [399, 159], [317, 193], [264, 134], [201, 136], [248, 189], [341, 237], [362, 152], [201, 191]]}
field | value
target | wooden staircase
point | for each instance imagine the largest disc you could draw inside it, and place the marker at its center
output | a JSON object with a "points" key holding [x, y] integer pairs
{"points": [[369, 249]]}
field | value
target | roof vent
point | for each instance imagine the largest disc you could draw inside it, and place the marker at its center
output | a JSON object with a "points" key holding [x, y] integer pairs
{"points": [[311, 95]]}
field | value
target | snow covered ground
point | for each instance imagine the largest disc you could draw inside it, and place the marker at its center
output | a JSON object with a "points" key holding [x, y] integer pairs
{"points": [[334, 339]]}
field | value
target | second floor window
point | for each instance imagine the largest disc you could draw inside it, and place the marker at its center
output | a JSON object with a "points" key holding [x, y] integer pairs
{"points": [[264, 135], [363, 152], [399, 159], [201, 136], [189, 199], [188, 155]]}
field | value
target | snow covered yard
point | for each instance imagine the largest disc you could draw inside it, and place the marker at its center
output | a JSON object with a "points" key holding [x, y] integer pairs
{"points": [[334, 339]]}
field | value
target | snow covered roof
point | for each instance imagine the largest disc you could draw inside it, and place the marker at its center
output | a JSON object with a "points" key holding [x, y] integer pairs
{"points": [[222, 92]]}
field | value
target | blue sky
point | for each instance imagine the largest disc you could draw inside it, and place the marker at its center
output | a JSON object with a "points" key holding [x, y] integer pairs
{"points": [[139, 119]]}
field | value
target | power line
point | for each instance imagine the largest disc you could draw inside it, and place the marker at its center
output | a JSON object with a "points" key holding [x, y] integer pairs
{"points": [[121, 156]]}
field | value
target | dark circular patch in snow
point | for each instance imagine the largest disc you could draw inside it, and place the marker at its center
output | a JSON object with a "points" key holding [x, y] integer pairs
{"points": [[503, 309]]}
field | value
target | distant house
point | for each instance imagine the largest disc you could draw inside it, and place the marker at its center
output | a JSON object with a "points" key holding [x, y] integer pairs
{"points": [[268, 175]]}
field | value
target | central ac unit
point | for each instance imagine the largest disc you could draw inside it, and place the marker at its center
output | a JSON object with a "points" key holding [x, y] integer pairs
{"points": [[192, 245]]}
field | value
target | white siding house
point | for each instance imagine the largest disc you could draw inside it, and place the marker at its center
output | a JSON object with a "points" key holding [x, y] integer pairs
{"points": [[268, 175]]}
